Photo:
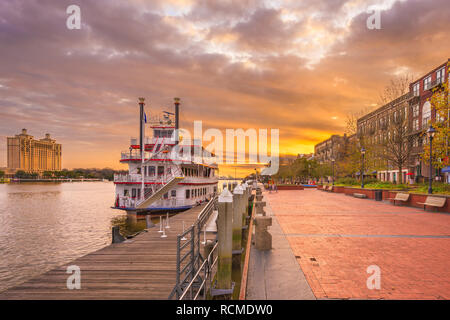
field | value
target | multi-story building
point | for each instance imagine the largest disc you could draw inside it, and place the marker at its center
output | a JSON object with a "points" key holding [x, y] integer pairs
{"points": [[421, 113], [330, 149], [415, 106], [33, 156], [373, 130]]}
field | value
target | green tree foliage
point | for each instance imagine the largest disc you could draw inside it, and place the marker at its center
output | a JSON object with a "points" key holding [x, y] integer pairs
{"points": [[440, 103]]}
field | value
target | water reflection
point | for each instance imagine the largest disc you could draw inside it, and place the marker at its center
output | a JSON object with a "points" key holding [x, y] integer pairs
{"points": [[44, 225]]}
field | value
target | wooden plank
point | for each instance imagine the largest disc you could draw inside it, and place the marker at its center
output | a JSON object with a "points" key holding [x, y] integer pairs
{"points": [[141, 268]]}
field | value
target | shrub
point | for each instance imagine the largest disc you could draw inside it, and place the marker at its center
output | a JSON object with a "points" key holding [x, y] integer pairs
{"points": [[347, 181]]}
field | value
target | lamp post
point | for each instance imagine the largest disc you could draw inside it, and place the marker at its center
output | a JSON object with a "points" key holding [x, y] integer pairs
{"points": [[430, 132], [363, 152], [332, 171]]}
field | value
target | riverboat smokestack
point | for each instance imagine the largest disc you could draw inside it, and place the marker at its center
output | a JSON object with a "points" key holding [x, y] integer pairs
{"points": [[141, 125], [177, 118]]}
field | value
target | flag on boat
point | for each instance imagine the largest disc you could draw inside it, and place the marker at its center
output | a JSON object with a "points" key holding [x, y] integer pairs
{"points": [[145, 117]]}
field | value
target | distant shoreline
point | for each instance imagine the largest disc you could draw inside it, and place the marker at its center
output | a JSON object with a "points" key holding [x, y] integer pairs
{"points": [[16, 180]]}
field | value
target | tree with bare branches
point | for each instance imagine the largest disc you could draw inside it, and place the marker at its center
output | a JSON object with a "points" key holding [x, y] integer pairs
{"points": [[397, 143], [396, 88]]}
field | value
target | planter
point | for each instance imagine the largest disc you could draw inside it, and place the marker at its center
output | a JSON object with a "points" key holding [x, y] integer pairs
{"points": [[290, 187], [415, 198], [339, 189]]}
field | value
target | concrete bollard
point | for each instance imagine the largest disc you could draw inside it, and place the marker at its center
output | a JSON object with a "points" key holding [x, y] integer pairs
{"points": [[148, 222], [224, 235], [259, 205], [116, 236], [263, 239], [238, 194]]}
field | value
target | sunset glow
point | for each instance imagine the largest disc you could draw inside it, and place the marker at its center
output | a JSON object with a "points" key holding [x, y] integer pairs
{"points": [[297, 66]]}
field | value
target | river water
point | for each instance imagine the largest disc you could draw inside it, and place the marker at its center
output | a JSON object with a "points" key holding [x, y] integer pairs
{"points": [[44, 225]]}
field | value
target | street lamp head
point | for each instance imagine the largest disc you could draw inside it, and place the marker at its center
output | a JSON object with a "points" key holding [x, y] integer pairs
{"points": [[363, 151], [333, 159], [431, 131]]}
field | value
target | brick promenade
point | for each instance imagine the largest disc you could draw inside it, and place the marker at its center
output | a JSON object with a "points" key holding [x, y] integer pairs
{"points": [[336, 237]]}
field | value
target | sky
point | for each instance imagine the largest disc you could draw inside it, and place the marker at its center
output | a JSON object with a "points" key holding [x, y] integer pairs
{"points": [[297, 66]]}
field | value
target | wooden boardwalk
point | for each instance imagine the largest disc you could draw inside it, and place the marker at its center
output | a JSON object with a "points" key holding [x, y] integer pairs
{"points": [[141, 268]]}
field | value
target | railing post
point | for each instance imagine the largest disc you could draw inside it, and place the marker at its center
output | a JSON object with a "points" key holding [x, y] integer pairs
{"points": [[178, 289], [116, 236], [225, 240], [238, 194]]}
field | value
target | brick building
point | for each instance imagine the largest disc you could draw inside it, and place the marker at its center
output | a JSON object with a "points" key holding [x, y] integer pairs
{"points": [[421, 113], [331, 148], [416, 107]]}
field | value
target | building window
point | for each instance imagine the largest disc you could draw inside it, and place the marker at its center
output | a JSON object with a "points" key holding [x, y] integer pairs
{"points": [[416, 124], [440, 75], [426, 113], [415, 110], [188, 194], [151, 171], [416, 88], [173, 193], [427, 83]]}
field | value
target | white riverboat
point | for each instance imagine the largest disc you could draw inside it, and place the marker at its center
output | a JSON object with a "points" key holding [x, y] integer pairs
{"points": [[165, 172]]}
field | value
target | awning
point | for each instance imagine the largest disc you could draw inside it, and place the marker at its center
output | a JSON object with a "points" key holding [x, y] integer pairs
{"points": [[410, 174], [446, 169], [374, 172]]}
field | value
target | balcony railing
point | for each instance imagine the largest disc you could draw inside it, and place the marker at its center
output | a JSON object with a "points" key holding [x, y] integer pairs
{"points": [[436, 83], [129, 202], [133, 155]]}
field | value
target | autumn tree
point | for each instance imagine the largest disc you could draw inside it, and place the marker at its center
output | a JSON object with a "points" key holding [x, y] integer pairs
{"points": [[395, 147], [440, 104], [397, 144]]}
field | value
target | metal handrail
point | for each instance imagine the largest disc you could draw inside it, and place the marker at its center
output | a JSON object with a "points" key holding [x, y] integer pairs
{"points": [[194, 265], [206, 268]]}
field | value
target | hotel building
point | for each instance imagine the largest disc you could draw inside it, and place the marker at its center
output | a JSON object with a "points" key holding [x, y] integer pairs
{"points": [[33, 156]]}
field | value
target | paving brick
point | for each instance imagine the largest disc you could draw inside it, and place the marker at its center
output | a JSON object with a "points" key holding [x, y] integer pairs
{"points": [[345, 235]]}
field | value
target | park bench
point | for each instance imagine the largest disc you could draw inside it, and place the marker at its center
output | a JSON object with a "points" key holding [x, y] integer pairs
{"points": [[437, 202], [400, 197], [360, 195]]}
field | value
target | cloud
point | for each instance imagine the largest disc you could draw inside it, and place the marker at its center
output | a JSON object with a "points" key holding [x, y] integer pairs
{"points": [[299, 66]]}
